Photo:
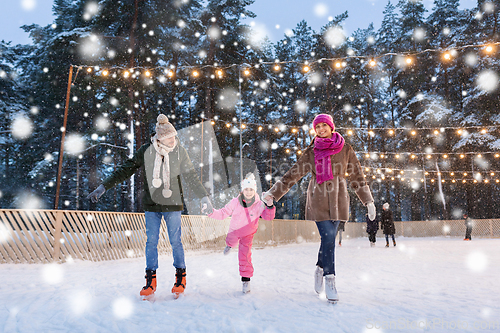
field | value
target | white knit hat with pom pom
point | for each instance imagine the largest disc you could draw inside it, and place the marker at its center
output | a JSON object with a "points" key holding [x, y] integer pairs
{"points": [[164, 129], [249, 182]]}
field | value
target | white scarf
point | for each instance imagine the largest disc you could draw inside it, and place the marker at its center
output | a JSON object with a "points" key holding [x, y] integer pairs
{"points": [[162, 156]]}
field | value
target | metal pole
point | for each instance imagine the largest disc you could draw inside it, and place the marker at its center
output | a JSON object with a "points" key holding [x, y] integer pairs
{"points": [[63, 135], [241, 139]]}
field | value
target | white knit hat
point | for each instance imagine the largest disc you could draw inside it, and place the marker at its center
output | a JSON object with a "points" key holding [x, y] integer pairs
{"points": [[164, 129], [385, 206], [249, 182]]}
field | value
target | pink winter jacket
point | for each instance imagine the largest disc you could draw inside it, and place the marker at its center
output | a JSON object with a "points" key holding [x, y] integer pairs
{"points": [[243, 219]]}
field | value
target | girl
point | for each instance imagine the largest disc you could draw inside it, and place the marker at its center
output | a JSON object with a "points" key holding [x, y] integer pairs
{"points": [[245, 211], [330, 160]]}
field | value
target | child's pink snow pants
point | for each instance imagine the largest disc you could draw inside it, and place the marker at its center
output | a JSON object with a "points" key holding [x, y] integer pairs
{"points": [[245, 241]]}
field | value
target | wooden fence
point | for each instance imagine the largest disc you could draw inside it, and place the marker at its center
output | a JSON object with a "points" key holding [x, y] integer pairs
{"points": [[41, 236]]}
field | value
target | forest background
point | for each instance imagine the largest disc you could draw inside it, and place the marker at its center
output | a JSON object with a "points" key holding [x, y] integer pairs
{"points": [[417, 99]]}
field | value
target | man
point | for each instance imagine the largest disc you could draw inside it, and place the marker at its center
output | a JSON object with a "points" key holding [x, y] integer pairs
{"points": [[162, 160]]}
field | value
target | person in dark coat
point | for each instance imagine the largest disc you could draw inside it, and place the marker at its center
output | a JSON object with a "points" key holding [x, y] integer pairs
{"points": [[340, 229], [371, 229], [387, 224], [163, 160], [468, 228]]}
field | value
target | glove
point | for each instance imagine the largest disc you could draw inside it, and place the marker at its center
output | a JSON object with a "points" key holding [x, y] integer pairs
{"points": [[206, 206], [268, 199], [98, 192], [372, 211]]}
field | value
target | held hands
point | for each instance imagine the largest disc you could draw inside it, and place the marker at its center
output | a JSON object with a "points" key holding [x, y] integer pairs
{"points": [[268, 199], [206, 206], [372, 212], [98, 192]]}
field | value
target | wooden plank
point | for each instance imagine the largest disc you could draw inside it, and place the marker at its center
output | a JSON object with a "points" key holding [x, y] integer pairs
{"points": [[44, 252], [119, 233], [12, 251], [104, 227], [69, 248], [32, 216], [78, 230], [85, 222], [57, 235], [45, 227], [25, 236]]}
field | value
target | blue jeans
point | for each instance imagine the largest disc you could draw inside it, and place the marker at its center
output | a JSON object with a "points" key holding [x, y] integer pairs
{"points": [[153, 223], [326, 255]]}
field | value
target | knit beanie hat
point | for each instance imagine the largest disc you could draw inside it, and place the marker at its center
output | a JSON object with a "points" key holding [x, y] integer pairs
{"points": [[324, 118], [164, 129], [249, 182], [385, 206]]}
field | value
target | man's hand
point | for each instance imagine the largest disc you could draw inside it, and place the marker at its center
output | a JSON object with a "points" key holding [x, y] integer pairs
{"points": [[372, 211], [206, 206], [98, 192]]}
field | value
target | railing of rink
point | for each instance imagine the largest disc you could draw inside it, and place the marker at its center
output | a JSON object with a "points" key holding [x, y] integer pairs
{"points": [[42, 236]]}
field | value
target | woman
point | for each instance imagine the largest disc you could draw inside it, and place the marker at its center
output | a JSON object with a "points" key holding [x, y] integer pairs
{"points": [[387, 224], [330, 160]]}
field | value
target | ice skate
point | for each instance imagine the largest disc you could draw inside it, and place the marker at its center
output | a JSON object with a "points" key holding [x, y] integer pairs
{"points": [[372, 244], [246, 287], [331, 291], [387, 244], [227, 249], [180, 282], [394, 242], [318, 280], [149, 289]]}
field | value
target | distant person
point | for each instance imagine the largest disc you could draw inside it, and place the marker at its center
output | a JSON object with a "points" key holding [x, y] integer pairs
{"points": [[468, 228], [340, 229], [245, 211], [387, 224], [162, 161], [371, 229]]}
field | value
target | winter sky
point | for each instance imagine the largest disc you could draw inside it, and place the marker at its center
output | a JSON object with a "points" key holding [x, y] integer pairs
{"points": [[274, 17]]}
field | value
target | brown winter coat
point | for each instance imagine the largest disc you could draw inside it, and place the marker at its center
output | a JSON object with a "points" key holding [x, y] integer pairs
{"points": [[328, 200]]}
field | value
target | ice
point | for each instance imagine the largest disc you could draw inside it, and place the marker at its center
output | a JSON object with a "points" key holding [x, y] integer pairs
{"points": [[123, 308], [431, 283], [52, 273], [477, 261]]}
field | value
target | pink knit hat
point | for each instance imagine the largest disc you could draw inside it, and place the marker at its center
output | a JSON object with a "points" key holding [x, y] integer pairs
{"points": [[324, 118]]}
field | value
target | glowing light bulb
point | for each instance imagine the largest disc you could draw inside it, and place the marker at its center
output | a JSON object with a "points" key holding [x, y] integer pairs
{"points": [[246, 72], [105, 73], [447, 56], [89, 70], [196, 73], [409, 60], [276, 68], [306, 69], [373, 63]]}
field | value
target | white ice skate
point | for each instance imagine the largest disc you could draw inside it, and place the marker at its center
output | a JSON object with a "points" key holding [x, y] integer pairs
{"points": [[331, 291], [246, 287], [227, 249], [318, 280]]}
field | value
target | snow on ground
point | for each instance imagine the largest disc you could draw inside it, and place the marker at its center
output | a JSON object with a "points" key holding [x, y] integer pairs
{"points": [[423, 284]]}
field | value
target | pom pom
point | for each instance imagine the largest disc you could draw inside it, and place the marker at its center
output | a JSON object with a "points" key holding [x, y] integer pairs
{"points": [[156, 182], [250, 176], [162, 119], [167, 193]]}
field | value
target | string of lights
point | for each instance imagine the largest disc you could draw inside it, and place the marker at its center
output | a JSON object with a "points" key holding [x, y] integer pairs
{"points": [[337, 62]]}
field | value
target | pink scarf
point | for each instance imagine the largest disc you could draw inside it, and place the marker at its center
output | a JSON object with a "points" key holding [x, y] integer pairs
{"points": [[323, 149]]}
